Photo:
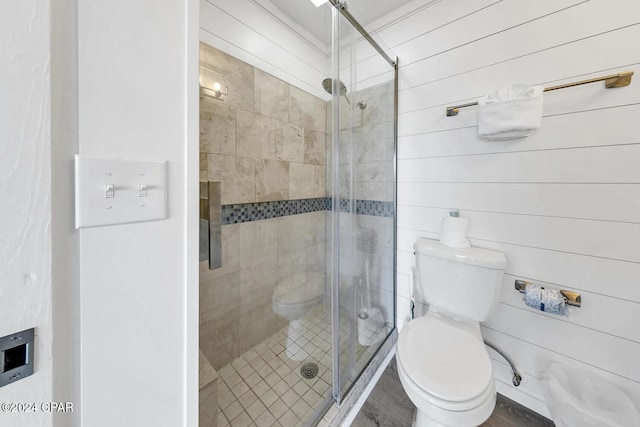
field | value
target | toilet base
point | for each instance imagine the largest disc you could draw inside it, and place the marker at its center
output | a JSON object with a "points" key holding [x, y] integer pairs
{"points": [[420, 419], [469, 418], [297, 340]]}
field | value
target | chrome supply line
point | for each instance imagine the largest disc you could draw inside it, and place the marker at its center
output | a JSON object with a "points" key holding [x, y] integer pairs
{"points": [[342, 7], [517, 378]]}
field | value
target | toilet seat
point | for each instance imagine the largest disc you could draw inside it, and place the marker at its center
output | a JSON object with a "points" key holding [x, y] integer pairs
{"points": [[445, 363]]}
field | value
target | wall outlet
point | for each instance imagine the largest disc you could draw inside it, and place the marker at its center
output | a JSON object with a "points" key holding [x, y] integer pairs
{"points": [[16, 356]]}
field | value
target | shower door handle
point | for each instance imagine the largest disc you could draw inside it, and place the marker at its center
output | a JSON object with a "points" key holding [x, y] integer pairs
{"points": [[211, 224]]}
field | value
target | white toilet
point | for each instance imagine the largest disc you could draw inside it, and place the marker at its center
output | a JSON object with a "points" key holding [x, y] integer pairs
{"points": [[292, 300], [442, 361]]}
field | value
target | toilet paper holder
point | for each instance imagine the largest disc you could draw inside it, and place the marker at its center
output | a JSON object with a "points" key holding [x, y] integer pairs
{"points": [[571, 298]]}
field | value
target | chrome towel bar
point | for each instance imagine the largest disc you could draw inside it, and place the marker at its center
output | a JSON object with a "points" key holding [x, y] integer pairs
{"points": [[611, 81]]}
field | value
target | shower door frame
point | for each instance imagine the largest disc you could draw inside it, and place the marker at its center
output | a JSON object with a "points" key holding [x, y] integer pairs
{"points": [[339, 8]]}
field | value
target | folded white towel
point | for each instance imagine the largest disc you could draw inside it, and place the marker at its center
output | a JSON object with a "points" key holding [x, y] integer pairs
{"points": [[511, 112]]}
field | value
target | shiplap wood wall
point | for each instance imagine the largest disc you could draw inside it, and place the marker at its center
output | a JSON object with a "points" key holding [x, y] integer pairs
{"points": [[563, 205]]}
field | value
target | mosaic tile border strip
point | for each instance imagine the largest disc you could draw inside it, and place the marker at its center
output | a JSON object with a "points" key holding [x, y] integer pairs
{"points": [[247, 212], [374, 208]]}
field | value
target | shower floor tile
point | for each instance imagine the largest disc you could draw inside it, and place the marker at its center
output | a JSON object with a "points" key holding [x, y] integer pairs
{"points": [[264, 387]]}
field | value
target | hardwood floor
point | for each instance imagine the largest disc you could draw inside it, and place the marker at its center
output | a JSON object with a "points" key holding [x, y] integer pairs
{"points": [[389, 406]]}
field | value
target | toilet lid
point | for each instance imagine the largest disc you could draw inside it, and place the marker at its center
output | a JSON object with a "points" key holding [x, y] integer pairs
{"points": [[444, 360]]}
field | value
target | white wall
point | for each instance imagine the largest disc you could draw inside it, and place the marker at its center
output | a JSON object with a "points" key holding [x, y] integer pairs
{"points": [[138, 99], [260, 35], [25, 213], [564, 205], [65, 268]]}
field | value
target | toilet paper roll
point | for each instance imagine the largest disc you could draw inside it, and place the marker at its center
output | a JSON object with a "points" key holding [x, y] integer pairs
{"points": [[453, 232], [544, 299]]}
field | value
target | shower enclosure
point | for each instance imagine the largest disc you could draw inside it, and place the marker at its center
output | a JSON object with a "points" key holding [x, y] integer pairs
{"points": [[297, 277]]}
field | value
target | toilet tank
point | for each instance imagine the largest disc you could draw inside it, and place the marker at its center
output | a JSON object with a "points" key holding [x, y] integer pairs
{"points": [[461, 281]]}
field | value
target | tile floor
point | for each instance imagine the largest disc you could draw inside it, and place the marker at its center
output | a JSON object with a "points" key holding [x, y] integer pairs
{"points": [[264, 387]]}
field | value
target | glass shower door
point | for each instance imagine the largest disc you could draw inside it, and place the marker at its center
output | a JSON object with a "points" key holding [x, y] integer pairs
{"points": [[363, 200]]}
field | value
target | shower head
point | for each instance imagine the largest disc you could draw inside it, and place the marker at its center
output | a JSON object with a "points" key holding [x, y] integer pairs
{"points": [[327, 85]]}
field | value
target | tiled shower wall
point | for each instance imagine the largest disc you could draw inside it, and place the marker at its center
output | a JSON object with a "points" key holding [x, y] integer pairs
{"points": [[264, 141], [367, 152]]}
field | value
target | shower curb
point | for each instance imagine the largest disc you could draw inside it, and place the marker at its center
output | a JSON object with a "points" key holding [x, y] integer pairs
{"points": [[338, 413]]}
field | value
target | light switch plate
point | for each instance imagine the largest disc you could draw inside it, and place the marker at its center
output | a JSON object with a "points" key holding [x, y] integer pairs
{"points": [[113, 191]]}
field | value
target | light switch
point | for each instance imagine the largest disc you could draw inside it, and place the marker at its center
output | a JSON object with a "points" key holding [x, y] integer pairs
{"points": [[142, 190], [108, 191]]}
